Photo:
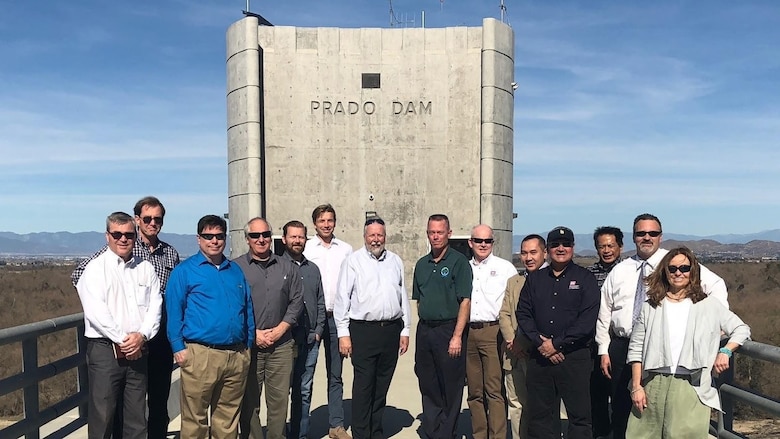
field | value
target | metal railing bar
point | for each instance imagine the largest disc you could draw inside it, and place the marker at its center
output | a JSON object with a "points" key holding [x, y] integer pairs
{"points": [[37, 329], [23, 379], [755, 399]]}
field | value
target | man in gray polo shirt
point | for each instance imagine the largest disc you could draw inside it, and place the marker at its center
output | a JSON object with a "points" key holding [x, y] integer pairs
{"points": [[277, 296]]}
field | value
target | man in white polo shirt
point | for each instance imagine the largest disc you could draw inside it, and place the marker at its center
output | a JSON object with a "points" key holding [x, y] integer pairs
{"points": [[483, 358]]}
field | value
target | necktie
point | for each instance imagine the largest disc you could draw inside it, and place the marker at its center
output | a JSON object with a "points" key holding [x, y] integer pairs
{"points": [[640, 296]]}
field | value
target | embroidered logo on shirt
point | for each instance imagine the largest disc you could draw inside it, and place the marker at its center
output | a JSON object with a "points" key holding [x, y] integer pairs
{"points": [[445, 271], [573, 285], [493, 273]]}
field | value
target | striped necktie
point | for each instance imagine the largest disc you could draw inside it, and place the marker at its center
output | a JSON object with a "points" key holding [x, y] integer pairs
{"points": [[641, 292]]}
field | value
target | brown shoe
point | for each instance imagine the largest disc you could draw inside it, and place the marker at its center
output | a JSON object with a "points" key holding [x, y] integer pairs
{"points": [[338, 433]]}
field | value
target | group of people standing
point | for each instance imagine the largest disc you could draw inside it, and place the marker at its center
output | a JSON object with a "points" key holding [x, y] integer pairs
{"points": [[640, 334]]}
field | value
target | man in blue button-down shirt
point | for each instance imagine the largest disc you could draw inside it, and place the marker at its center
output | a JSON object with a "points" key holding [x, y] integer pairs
{"points": [[210, 326], [557, 312]]}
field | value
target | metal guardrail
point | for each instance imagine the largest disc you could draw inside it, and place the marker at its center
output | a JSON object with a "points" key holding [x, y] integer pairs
{"points": [[32, 374], [730, 393]]}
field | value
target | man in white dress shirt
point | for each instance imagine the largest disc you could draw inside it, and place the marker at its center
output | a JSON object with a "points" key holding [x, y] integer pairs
{"points": [[373, 320], [122, 304], [328, 252], [483, 357], [622, 296]]}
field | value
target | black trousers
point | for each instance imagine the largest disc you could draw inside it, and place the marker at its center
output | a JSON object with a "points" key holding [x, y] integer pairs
{"points": [[570, 381], [374, 357], [110, 381], [621, 376], [159, 378], [441, 379], [600, 389]]}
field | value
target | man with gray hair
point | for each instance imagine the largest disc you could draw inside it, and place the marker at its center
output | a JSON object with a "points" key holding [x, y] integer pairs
{"points": [[483, 348], [277, 299], [122, 305], [373, 322]]}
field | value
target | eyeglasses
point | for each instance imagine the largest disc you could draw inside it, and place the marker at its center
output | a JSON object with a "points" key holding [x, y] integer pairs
{"points": [[683, 268], [566, 244], [255, 235], [374, 221], [118, 235], [210, 236], [642, 233], [481, 240], [149, 219]]}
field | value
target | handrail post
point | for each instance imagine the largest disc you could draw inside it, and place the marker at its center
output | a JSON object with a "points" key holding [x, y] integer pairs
{"points": [[726, 401], [83, 375], [30, 366]]}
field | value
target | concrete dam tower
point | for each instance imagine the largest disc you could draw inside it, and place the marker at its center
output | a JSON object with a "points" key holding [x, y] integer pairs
{"points": [[399, 123]]}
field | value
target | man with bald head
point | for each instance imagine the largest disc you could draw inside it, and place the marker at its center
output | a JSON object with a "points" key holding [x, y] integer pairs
{"points": [[277, 298], [483, 361]]}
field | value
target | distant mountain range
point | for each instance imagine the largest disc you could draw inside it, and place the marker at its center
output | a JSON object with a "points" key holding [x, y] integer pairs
{"points": [[752, 245], [76, 244], [761, 244]]}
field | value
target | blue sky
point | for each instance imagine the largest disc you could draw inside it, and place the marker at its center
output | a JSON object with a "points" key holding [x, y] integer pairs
{"points": [[668, 107]]}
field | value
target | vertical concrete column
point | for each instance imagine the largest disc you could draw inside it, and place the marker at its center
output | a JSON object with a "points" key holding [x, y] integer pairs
{"points": [[244, 129], [497, 132]]}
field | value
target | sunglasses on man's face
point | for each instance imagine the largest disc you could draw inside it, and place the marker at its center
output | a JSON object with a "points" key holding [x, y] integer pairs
{"points": [[210, 236], [566, 244], [149, 219], [642, 233], [118, 235], [481, 240], [683, 268], [256, 235]]}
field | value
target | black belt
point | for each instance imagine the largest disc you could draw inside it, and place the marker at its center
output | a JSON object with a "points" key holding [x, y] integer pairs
{"points": [[100, 340], [614, 336], [435, 323], [375, 322], [480, 325], [328, 313], [220, 347]]}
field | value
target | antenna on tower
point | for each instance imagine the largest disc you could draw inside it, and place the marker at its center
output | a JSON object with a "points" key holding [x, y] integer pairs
{"points": [[395, 22], [504, 13]]}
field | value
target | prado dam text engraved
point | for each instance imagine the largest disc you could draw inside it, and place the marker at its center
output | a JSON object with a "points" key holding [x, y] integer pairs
{"points": [[351, 108]]}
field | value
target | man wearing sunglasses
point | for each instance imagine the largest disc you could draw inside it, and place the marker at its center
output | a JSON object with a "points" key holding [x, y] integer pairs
{"points": [[277, 297], [211, 325], [122, 305], [483, 348], [149, 214], [557, 312], [622, 295]]}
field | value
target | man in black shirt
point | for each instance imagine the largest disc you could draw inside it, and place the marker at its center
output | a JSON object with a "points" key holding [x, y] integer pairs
{"points": [[557, 311]]}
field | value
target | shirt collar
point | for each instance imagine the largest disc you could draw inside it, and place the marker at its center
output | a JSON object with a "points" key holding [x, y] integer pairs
{"points": [[304, 261], [371, 255], [201, 259], [271, 260], [484, 261]]}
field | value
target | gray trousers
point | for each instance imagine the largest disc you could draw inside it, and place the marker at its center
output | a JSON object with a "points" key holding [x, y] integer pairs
{"points": [[111, 380]]}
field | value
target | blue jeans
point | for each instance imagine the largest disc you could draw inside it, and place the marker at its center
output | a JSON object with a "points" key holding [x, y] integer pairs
{"points": [[333, 363], [302, 383]]}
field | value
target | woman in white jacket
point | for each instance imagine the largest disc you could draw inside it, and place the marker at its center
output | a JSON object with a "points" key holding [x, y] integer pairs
{"points": [[674, 350]]}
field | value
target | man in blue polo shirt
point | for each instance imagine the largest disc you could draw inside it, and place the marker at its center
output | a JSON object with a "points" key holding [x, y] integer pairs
{"points": [[210, 326], [557, 312]]}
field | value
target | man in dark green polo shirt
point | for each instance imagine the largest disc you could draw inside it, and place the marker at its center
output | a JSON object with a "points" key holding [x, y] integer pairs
{"points": [[442, 288]]}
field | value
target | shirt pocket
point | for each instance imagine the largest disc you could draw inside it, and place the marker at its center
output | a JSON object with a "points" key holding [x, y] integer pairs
{"points": [[142, 295]]}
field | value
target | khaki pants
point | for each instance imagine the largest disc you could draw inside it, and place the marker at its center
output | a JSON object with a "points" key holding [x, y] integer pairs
{"points": [[215, 378], [483, 371], [269, 369], [673, 411], [516, 396]]}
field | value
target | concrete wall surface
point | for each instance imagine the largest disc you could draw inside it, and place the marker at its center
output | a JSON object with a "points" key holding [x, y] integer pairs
{"points": [[401, 122]]}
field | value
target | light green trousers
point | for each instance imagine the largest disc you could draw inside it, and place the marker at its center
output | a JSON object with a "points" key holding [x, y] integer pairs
{"points": [[673, 411]]}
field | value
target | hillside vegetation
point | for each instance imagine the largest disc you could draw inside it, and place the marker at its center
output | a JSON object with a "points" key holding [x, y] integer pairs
{"points": [[38, 293]]}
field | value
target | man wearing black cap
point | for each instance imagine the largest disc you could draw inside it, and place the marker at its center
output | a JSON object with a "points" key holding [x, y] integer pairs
{"points": [[557, 311]]}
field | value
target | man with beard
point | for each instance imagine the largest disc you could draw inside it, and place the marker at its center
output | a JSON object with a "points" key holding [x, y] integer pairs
{"points": [[557, 312], [277, 298], [533, 255], [609, 243], [622, 295], [373, 320], [308, 332]]}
